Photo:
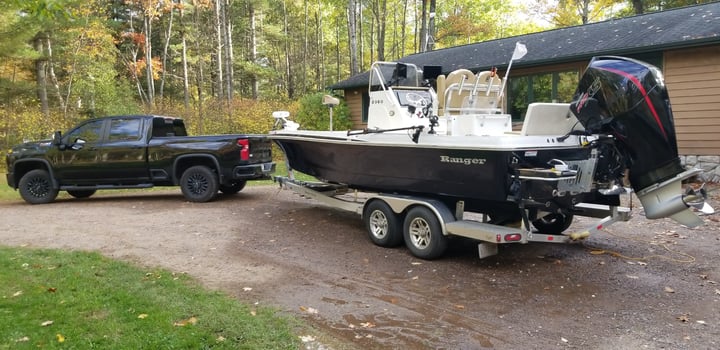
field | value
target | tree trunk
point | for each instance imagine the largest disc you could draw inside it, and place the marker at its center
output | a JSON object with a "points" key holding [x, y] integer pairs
{"points": [[352, 33], [423, 28], [40, 73], [431, 28], [218, 81], [288, 70], [638, 7], [148, 60], [229, 54], [186, 84], [253, 50], [53, 77], [165, 52]]}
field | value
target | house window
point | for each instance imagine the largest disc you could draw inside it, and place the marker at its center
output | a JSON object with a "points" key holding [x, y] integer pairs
{"points": [[543, 87]]}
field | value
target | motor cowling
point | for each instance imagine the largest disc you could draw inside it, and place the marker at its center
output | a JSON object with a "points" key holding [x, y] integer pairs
{"points": [[628, 99]]}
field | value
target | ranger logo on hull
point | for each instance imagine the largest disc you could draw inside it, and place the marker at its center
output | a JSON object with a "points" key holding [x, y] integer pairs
{"points": [[465, 161]]}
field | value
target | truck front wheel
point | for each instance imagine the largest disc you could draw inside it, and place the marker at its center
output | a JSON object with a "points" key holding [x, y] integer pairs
{"points": [[423, 235], [36, 187], [199, 184], [382, 224]]}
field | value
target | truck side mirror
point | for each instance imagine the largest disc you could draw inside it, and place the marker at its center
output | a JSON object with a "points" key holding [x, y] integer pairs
{"points": [[77, 145], [57, 138]]}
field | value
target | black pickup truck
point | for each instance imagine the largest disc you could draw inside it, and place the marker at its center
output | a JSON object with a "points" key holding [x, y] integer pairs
{"points": [[137, 151]]}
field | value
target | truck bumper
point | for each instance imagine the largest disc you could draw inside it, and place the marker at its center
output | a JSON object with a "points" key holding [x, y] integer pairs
{"points": [[253, 171], [10, 177]]}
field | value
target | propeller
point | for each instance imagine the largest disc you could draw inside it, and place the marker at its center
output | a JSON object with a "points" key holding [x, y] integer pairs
{"points": [[697, 199]]}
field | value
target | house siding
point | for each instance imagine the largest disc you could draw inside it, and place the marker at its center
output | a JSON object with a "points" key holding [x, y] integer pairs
{"points": [[693, 80]]}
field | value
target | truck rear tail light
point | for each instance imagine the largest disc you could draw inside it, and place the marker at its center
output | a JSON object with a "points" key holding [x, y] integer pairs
{"points": [[244, 148]]}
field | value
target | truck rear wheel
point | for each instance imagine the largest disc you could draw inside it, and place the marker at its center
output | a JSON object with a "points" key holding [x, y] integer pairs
{"points": [[233, 188], [36, 187], [81, 193], [199, 184], [423, 235], [382, 224]]}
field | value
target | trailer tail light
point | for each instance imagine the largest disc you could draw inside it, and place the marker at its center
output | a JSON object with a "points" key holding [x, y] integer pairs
{"points": [[513, 237], [244, 149]]}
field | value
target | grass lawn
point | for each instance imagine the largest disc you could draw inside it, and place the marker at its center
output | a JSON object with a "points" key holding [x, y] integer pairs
{"points": [[58, 299]]}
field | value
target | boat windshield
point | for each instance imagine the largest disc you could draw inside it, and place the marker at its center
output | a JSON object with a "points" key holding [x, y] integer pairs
{"points": [[389, 74], [413, 97]]}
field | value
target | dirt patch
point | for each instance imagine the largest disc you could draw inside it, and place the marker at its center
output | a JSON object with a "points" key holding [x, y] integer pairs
{"points": [[640, 284]]}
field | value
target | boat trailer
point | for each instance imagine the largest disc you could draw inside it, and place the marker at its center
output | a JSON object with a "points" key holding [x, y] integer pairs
{"points": [[425, 224]]}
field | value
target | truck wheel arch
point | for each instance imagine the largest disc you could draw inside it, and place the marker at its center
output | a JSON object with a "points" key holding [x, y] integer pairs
{"points": [[187, 161], [23, 166]]}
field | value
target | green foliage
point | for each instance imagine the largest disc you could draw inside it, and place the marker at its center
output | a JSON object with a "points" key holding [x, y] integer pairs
{"points": [[313, 115], [77, 300]]}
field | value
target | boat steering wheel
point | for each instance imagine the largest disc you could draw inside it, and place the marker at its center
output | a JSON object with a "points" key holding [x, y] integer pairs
{"points": [[416, 100]]}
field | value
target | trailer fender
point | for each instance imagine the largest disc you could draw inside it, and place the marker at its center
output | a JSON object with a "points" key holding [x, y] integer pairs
{"points": [[400, 204]]}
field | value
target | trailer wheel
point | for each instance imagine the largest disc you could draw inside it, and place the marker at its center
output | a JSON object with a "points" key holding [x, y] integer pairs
{"points": [[553, 224], [382, 224], [81, 193], [423, 235], [36, 187], [199, 184], [233, 188]]}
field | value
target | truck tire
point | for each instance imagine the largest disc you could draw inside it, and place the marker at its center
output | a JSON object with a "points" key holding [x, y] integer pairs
{"points": [[36, 187], [199, 184], [553, 224], [382, 224], [233, 188], [423, 235], [81, 193]]}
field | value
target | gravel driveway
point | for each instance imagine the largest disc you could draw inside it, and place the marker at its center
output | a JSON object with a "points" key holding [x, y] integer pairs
{"points": [[639, 285]]}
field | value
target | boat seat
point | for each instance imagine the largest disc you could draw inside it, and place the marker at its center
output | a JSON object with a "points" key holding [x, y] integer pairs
{"points": [[549, 119]]}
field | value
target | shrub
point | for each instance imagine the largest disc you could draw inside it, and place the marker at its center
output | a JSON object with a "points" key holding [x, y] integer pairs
{"points": [[313, 115]]}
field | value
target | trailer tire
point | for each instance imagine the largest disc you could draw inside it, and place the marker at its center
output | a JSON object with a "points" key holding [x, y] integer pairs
{"points": [[553, 224], [36, 187], [382, 224], [423, 234], [199, 184]]}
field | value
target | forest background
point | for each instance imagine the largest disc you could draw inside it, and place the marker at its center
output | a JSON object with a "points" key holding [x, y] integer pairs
{"points": [[226, 65]]}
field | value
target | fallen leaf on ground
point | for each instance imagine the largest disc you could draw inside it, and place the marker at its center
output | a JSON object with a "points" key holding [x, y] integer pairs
{"points": [[367, 325], [142, 316], [669, 290], [309, 310], [60, 338], [17, 294], [22, 340], [683, 318], [460, 307], [220, 339], [306, 338], [46, 323], [246, 289], [192, 320]]}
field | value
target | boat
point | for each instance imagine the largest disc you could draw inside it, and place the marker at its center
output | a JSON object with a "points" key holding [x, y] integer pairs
{"points": [[445, 138]]}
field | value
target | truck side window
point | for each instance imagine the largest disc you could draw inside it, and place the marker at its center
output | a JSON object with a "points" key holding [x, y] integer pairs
{"points": [[122, 129], [90, 132]]}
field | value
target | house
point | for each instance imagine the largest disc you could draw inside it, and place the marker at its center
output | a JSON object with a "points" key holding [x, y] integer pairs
{"points": [[684, 43]]}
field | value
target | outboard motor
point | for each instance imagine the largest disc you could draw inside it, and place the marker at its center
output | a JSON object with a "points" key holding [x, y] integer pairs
{"points": [[628, 99]]}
